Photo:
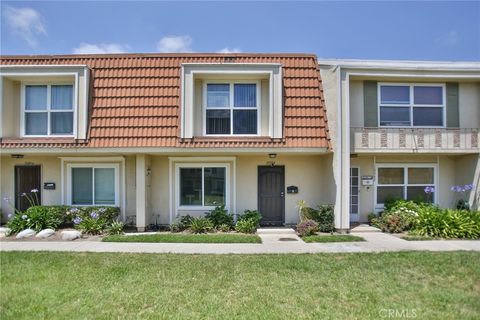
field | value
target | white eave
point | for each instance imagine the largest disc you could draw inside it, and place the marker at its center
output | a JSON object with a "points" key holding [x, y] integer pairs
{"points": [[469, 66]]}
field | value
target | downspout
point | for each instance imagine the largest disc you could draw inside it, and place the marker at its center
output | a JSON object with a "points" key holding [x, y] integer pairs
{"points": [[339, 134]]}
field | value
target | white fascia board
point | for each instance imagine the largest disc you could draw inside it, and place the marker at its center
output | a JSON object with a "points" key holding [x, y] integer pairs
{"points": [[195, 64], [403, 65], [9, 66]]}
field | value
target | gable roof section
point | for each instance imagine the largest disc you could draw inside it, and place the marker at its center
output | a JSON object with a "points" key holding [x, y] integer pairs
{"points": [[135, 101]]}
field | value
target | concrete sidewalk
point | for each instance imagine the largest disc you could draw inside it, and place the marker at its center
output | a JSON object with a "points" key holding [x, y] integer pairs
{"points": [[375, 242]]}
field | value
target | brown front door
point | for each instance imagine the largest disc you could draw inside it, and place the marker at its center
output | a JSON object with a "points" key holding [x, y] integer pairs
{"points": [[27, 178], [271, 195]]}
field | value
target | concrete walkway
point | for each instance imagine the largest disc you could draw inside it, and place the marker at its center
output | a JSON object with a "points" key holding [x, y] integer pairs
{"points": [[375, 242]]}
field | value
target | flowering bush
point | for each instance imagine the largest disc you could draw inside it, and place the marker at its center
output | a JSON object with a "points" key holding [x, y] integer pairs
{"points": [[92, 220], [84, 218], [36, 218], [462, 190], [307, 228]]}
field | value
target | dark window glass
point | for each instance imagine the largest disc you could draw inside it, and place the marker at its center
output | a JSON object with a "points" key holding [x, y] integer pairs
{"points": [[214, 186], [394, 116], [245, 121], [395, 94], [218, 122], [428, 95], [245, 95], [428, 116], [191, 186]]}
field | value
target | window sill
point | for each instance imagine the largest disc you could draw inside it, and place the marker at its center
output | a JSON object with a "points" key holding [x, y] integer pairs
{"points": [[235, 138], [45, 139]]}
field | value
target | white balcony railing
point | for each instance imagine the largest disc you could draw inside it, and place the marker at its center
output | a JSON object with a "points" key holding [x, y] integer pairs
{"points": [[415, 139]]}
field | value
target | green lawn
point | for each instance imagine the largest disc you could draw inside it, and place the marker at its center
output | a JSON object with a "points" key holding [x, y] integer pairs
{"points": [[186, 238], [332, 238], [56, 285]]}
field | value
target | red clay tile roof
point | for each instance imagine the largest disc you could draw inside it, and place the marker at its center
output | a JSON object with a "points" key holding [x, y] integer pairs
{"points": [[135, 100]]}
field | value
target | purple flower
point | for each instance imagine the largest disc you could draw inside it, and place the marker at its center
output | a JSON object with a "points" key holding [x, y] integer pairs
{"points": [[429, 190], [24, 217], [94, 215], [77, 220]]}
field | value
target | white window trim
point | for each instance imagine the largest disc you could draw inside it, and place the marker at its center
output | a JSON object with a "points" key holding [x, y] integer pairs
{"points": [[231, 107], [358, 194], [405, 184], [48, 110], [178, 166], [411, 104], [114, 166]]}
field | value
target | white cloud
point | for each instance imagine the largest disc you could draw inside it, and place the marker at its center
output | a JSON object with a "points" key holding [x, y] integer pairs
{"points": [[26, 22], [448, 39], [175, 44], [85, 48], [228, 50]]}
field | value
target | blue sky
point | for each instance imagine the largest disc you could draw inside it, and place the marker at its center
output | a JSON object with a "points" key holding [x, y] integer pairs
{"points": [[363, 30]]}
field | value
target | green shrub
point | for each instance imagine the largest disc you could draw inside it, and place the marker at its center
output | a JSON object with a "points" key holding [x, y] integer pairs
{"points": [[307, 228], [116, 227], [446, 223], [251, 214], [181, 223], [224, 228], [323, 215], [326, 218], [246, 225], [219, 216], [371, 216], [36, 218], [201, 225]]}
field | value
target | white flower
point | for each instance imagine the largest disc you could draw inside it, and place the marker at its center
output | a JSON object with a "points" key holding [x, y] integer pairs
{"points": [[34, 190]]}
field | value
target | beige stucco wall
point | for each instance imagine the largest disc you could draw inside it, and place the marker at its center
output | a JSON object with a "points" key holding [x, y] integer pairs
{"points": [[11, 96], [452, 170], [312, 174], [51, 171]]}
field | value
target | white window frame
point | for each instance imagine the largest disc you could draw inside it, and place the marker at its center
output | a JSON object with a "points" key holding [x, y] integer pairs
{"points": [[405, 184], [358, 194], [114, 166], [179, 166], [48, 110], [231, 106], [411, 105]]}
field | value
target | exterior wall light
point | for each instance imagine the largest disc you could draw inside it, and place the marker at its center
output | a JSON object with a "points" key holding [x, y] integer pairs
{"points": [[272, 155]]}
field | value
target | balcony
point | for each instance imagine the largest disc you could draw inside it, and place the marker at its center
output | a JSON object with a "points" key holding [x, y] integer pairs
{"points": [[438, 140]]}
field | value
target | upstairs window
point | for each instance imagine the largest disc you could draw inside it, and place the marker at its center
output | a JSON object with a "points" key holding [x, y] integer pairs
{"points": [[232, 108], [411, 105], [48, 110]]}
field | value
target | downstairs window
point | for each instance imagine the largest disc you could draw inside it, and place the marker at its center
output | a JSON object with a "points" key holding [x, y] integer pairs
{"points": [[405, 182], [95, 185]]}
